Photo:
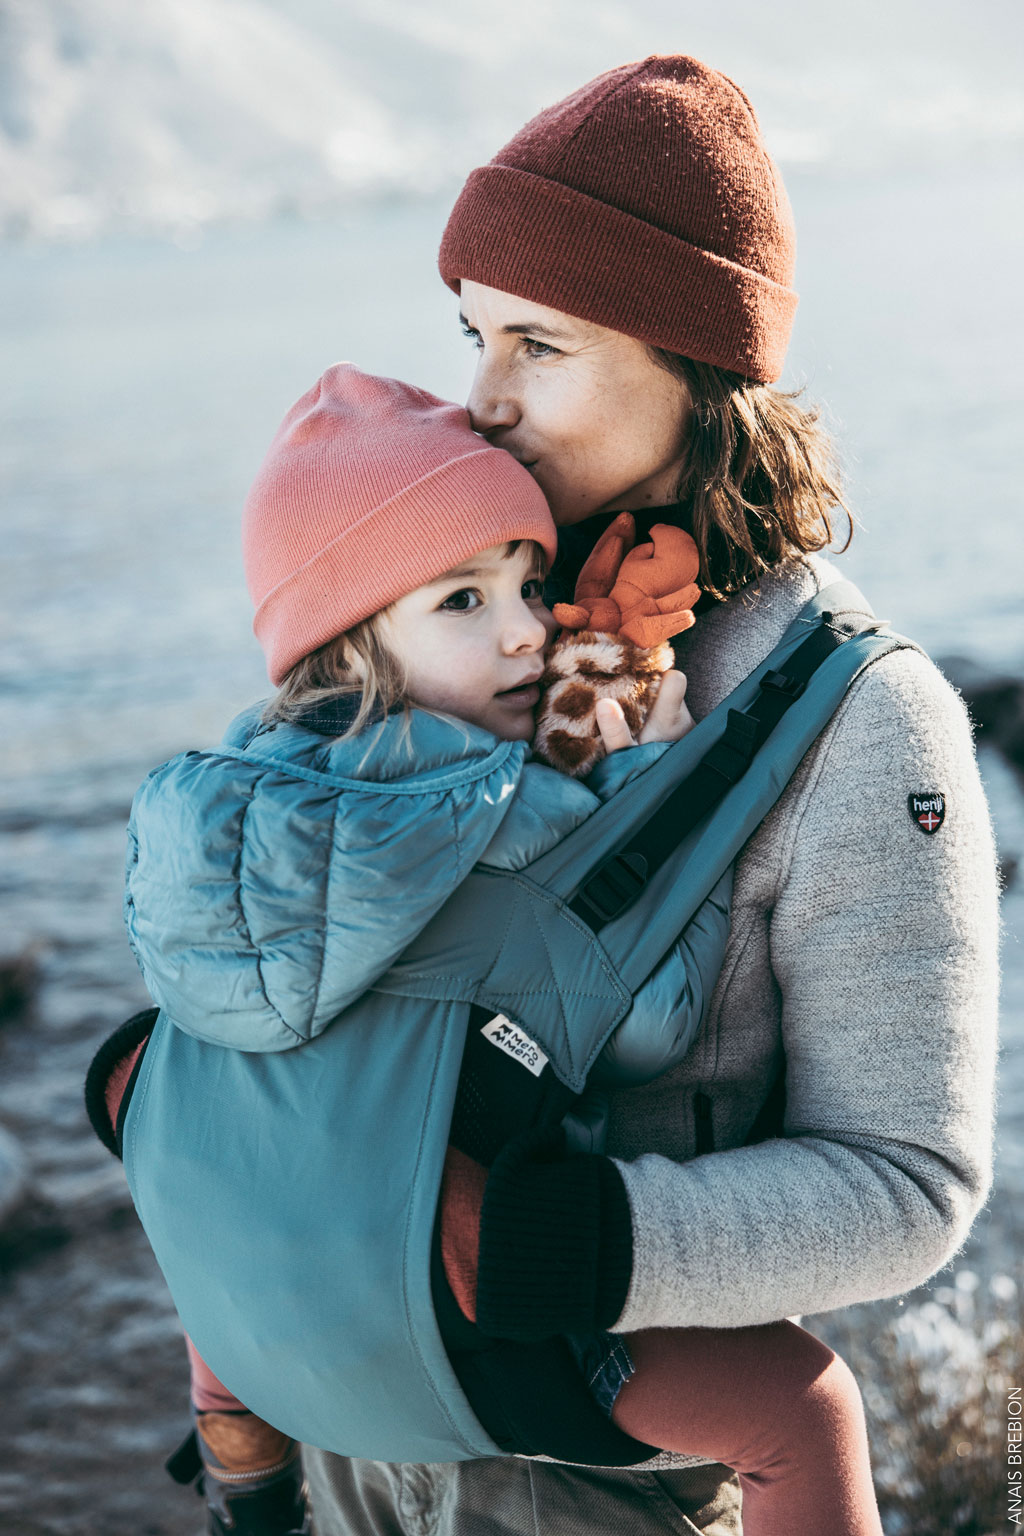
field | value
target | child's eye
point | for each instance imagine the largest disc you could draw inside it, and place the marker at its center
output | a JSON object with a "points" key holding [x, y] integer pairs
{"points": [[463, 601], [533, 590]]}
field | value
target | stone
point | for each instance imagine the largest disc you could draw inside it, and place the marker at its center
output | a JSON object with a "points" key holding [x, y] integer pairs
{"points": [[19, 982], [13, 1177], [996, 704]]}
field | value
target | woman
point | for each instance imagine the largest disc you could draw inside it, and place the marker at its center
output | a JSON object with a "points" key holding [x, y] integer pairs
{"points": [[624, 267]]}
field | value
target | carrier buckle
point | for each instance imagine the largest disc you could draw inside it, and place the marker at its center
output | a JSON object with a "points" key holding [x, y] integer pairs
{"points": [[615, 885], [780, 682], [733, 752]]}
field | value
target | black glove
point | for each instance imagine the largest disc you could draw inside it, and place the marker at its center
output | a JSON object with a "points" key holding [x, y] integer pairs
{"points": [[556, 1241]]}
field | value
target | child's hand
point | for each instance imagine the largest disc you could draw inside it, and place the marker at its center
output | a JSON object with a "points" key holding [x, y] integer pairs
{"points": [[669, 719]]}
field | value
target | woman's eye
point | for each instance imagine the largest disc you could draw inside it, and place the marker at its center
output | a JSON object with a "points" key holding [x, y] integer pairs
{"points": [[463, 601], [473, 334], [532, 590]]}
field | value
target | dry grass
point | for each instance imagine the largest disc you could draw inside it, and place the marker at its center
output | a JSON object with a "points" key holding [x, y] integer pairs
{"points": [[935, 1376]]}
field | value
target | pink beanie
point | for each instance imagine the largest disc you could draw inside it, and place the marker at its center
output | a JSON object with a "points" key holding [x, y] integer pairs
{"points": [[370, 489]]}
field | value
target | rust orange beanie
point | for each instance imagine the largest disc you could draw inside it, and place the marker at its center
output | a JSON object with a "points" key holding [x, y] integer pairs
{"points": [[370, 489], [645, 202]]}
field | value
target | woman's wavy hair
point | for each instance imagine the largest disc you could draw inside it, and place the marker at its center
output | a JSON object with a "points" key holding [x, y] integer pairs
{"points": [[761, 479]]}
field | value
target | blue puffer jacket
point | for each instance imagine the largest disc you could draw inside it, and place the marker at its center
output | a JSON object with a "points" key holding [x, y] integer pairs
{"points": [[273, 880]]}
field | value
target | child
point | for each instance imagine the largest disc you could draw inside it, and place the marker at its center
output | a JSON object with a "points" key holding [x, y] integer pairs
{"points": [[396, 559]]}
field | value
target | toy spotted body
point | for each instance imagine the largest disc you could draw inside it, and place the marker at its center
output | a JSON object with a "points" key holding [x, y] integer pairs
{"points": [[583, 667], [614, 640]]}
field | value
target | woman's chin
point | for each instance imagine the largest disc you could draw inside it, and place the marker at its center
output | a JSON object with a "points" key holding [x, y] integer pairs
{"points": [[569, 510]]}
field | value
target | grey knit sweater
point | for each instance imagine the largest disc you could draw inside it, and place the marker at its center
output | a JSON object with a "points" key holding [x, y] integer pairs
{"points": [[863, 956]]}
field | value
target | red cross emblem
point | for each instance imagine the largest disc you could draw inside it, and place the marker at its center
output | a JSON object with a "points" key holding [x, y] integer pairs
{"points": [[928, 809]]}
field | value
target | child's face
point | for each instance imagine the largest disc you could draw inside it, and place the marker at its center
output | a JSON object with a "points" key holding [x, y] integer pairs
{"points": [[473, 641]]}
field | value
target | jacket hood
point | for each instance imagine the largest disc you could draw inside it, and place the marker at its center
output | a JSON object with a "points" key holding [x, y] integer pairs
{"points": [[272, 880]]}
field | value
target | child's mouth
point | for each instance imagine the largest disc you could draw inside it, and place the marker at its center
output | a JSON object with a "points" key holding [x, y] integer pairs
{"points": [[526, 694]]}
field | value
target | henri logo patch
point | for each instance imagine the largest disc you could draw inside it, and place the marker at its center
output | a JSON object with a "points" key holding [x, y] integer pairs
{"points": [[928, 809], [508, 1037]]}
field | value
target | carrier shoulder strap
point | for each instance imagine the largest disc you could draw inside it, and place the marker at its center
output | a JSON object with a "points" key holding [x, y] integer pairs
{"points": [[618, 881], [495, 1101]]}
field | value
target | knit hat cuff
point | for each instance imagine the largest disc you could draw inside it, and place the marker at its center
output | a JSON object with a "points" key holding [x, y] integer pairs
{"points": [[319, 599], [540, 240]]}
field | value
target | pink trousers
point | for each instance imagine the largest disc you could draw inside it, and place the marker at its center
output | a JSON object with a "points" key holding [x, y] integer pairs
{"points": [[773, 1403]]}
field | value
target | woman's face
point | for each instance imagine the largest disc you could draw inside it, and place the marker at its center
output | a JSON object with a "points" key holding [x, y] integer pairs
{"points": [[595, 420]]}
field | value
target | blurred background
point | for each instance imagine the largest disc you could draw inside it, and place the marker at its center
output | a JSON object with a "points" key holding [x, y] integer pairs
{"points": [[202, 204]]}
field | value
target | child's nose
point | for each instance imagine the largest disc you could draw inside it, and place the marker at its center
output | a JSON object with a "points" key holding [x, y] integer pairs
{"points": [[527, 631]]}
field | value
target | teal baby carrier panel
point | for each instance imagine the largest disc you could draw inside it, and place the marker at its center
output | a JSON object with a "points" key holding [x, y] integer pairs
{"points": [[290, 1197], [290, 1200]]}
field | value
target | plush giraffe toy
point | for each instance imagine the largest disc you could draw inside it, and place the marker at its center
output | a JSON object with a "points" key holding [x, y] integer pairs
{"points": [[614, 640]]}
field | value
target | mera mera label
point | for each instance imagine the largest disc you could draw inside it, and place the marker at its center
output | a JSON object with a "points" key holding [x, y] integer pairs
{"points": [[515, 1042]]}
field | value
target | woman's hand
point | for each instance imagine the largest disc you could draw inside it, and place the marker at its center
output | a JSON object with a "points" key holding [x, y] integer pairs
{"points": [[669, 719]]}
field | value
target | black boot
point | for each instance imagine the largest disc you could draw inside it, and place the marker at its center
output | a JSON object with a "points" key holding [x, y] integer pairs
{"points": [[250, 1474]]}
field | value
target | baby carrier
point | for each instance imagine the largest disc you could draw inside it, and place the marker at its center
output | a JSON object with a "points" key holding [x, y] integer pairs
{"points": [[291, 1196]]}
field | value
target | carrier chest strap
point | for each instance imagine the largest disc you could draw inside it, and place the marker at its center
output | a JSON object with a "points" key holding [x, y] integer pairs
{"points": [[613, 887]]}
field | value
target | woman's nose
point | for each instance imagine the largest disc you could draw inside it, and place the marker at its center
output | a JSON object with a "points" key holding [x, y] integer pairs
{"points": [[491, 404]]}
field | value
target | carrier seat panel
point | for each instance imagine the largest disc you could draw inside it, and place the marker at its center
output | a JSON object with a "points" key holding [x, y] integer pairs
{"points": [[314, 1310]]}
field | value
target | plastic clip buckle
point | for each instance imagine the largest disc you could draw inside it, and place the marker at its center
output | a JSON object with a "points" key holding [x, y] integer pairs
{"points": [[615, 886], [733, 752], [779, 682]]}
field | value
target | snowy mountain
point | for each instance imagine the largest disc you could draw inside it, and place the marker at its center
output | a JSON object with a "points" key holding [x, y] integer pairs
{"points": [[168, 114]]}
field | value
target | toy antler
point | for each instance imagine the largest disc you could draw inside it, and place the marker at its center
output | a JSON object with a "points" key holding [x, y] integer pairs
{"points": [[594, 607], [645, 593], [629, 602]]}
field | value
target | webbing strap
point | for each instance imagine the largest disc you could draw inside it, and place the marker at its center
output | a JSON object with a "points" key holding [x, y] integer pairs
{"points": [[617, 883]]}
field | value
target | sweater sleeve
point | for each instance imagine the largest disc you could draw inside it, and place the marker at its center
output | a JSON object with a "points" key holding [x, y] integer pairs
{"points": [[883, 939]]}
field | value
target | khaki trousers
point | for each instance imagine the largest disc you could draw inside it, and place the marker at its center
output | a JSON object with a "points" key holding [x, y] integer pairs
{"points": [[512, 1497]]}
